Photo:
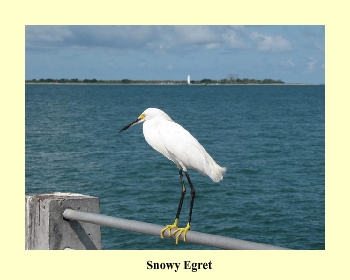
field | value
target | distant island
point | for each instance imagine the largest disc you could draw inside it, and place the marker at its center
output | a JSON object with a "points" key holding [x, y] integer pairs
{"points": [[157, 82]]}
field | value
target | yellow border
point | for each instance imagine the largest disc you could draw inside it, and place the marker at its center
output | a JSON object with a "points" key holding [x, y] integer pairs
{"points": [[116, 264]]}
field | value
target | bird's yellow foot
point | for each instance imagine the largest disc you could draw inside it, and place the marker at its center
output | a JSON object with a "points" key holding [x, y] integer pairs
{"points": [[179, 231], [169, 227]]}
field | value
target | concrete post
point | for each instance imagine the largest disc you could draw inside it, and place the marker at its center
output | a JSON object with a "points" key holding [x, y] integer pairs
{"points": [[46, 229]]}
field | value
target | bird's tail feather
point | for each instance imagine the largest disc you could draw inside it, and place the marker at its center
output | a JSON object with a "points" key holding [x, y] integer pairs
{"points": [[218, 173]]}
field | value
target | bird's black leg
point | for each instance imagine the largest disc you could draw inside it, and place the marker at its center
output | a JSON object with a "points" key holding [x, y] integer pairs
{"points": [[174, 225], [178, 232], [193, 195], [183, 192]]}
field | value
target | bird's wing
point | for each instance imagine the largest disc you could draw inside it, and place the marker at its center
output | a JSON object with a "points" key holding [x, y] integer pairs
{"points": [[154, 138], [182, 147]]}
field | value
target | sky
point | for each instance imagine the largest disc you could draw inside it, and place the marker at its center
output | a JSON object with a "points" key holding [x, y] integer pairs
{"points": [[291, 53]]}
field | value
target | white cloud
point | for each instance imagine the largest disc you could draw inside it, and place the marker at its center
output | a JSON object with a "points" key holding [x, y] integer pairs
{"points": [[310, 66], [319, 46], [290, 62], [43, 35], [286, 64], [270, 43], [194, 34], [159, 39], [232, 38], [212, 46], [142, 64]]}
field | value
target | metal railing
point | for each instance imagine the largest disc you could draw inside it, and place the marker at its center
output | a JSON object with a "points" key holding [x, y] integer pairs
{"points": [[152, 229]]}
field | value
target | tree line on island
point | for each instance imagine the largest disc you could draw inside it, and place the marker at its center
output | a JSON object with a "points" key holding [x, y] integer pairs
{"points": [[175, 82]]}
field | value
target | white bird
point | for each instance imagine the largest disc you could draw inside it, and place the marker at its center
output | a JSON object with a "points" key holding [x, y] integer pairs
{"points": [[178, 145]]}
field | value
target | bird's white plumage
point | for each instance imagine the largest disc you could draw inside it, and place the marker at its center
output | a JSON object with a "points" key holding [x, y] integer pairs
{"points": [[177, 144]]}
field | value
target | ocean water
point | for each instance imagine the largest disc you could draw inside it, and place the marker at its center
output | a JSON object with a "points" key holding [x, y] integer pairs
{"points": [[271, 139]]}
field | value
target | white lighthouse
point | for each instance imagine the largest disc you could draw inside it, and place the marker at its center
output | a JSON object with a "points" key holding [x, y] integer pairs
{"points": [[188, 79]]}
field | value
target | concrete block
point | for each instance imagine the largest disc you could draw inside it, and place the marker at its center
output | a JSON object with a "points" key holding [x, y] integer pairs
{"points": [[46, 229]]}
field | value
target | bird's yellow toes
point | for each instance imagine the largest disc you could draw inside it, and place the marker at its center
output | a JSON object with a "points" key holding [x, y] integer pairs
{"points": [[179, 231], [169, 227]]}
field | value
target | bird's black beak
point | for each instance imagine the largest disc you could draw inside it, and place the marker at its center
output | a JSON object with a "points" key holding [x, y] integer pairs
{"points": [[130, 124]]}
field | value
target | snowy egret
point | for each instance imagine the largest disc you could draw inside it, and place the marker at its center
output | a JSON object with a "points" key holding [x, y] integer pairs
{"points": [[178, 145]]}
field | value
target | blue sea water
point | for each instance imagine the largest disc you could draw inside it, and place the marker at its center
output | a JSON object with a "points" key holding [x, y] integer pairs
{"points": [[271, 139]]}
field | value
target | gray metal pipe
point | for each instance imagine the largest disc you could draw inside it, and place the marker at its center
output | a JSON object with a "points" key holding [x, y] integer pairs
{"points": [[152, 229]]}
